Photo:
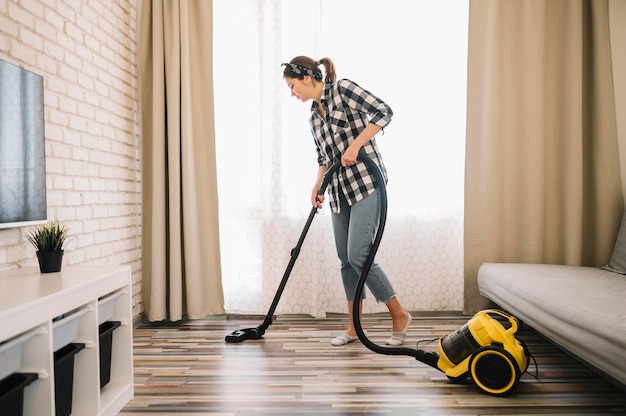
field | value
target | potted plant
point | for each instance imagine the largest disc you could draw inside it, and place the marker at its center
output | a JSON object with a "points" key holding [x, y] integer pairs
{"points": [[49, 240]]}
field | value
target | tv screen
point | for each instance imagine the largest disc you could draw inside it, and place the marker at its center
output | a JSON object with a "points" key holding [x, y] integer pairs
{"points": [[22, 147]]}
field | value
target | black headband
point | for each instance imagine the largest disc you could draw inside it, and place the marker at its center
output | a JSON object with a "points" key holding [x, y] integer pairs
{"points": [[297, 69]]}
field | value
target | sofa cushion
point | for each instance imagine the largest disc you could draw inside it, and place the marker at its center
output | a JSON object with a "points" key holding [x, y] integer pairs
{"points": [[617, 263]]}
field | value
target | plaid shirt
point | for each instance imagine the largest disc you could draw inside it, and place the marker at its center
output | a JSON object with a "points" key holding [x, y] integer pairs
{"points": [[348, 109]]}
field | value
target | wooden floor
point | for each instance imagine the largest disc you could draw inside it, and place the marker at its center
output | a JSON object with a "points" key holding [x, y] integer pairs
{"points": [[188, 368]]}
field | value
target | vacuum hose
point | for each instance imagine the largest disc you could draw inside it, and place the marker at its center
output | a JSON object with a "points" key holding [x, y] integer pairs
{"points": [[424, 356], [483, 349], [257, 332]]}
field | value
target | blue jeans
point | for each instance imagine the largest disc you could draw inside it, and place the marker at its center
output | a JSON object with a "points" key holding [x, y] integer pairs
{"points": [[354, 228]]}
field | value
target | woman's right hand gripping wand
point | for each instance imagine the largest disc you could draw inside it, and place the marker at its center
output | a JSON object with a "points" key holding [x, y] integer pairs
{"points": [[317, 200]]}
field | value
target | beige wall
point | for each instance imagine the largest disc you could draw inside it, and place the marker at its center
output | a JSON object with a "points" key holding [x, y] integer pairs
{"points": [[86, 52]]}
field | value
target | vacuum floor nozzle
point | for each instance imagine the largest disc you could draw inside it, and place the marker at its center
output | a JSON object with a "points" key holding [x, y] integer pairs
{"points": [[244, 334]]}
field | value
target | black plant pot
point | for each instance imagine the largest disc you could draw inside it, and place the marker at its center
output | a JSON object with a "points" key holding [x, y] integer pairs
{"points": [[50, 261]]}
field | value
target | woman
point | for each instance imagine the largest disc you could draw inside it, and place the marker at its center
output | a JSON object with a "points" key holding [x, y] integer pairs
{"points": [[344, 120]]}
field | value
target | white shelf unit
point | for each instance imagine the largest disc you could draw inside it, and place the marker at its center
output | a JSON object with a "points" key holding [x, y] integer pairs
{"points": [[35, 308]]}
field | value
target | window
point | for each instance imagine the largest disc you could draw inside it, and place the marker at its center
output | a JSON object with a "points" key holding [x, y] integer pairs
{"points": [[411, 54]]}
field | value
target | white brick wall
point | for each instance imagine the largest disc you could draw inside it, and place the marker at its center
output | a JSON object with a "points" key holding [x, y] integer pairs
{"points": [[87, 53]]}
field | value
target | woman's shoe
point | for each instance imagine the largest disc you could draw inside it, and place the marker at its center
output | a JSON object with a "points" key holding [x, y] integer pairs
{"points": [[343, 339], [397, 338]]}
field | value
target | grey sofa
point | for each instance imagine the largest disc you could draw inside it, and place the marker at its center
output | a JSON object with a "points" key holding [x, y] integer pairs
{"points": [[580, 309]]}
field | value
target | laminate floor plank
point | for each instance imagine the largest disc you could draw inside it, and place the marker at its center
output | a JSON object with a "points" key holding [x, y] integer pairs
{"points": [[188, 368]]}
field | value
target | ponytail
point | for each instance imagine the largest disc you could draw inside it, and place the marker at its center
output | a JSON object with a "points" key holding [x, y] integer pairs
{"points": [[329, 69]]}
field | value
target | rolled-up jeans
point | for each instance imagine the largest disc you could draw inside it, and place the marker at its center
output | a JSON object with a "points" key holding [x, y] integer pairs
{"points": [[355, 228]]}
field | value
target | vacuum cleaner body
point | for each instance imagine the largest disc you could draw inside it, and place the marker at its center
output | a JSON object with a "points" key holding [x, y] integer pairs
{"points": [[483, 350]]}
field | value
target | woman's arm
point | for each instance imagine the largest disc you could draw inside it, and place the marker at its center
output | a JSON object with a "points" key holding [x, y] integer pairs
{"points": [[363, 101], [349, 156]]}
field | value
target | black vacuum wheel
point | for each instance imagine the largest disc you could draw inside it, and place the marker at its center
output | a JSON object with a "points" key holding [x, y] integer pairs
{"points": [[494, 371]]}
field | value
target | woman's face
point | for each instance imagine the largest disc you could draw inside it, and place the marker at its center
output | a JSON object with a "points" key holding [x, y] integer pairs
{"points": [[300, 88]]}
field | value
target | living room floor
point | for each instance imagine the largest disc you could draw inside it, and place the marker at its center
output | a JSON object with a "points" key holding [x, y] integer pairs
{"points": [[188, 368]]}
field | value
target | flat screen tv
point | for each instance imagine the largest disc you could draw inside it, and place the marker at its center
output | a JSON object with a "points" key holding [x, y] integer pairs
{"points": [[22, 147]]}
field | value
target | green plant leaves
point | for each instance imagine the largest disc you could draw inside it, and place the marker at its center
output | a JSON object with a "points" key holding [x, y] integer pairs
{"points": [[48, 237]]}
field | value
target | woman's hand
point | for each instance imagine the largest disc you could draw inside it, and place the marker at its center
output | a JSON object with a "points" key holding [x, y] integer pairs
{"points": [[352, 152], [317, 200], [349, 156]]}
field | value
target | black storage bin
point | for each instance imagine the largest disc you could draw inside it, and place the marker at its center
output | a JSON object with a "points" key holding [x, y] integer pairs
{"points": [[64, 377], [106, 346], [12, 392]]}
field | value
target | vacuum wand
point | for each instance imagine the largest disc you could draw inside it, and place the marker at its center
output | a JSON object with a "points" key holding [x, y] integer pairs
{"points": [[257, 332]]}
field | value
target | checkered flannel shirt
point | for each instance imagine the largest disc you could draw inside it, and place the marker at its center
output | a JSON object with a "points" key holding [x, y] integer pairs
{"points": [[348, 109]]}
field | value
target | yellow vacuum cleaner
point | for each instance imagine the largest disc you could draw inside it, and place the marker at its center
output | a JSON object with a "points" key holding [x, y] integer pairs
{"points": [[484, 350]]}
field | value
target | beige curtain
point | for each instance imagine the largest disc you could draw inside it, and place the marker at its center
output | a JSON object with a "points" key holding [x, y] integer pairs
{"points": [[542, 170], [181, 256]]}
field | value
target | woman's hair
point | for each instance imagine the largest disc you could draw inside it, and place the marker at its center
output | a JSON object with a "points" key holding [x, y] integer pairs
{"points": [[301, 66]]}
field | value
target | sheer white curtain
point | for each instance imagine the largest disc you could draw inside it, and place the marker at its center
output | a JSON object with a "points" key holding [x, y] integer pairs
{"points": [[411, 54]]}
